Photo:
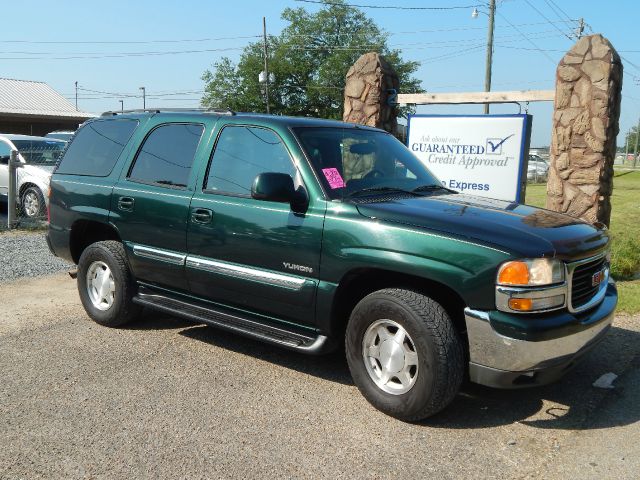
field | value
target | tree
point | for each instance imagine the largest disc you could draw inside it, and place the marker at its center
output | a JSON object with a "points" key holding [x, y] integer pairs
{"points": [[630, 138], [309, 60]]}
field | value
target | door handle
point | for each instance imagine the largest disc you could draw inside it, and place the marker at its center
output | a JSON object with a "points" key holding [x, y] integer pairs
{"points": [[201, 215], [126, 203]]}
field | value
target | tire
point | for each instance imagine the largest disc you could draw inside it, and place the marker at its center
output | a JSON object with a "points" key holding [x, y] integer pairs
{"points": [[32, 202], [106, 285], [412, 379]]}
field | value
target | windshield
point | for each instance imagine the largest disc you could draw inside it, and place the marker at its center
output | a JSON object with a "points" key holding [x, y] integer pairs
{"points": [[40, 152], [352, 161]]}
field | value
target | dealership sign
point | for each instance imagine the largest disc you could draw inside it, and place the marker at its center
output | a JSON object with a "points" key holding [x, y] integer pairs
{"points": [[484, 155]]}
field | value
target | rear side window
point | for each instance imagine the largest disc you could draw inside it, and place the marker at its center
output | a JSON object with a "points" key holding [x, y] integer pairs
{"points": [[96, 147], [167, 154], [241, 154]]}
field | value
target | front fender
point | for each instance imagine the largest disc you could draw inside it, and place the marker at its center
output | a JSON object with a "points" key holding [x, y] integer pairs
{"points": [[355, 242]]}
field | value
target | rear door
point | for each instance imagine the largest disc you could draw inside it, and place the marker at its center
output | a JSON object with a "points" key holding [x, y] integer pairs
{"points": [[150, 202]]}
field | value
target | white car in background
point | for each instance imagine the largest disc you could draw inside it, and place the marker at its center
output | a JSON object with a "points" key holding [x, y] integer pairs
{"points": [[537, 169], [61, 135], [38, 156]]}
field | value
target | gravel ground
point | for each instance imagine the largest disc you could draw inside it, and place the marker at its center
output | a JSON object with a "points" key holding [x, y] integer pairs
{"points": [[25, 254], [167, 398]]}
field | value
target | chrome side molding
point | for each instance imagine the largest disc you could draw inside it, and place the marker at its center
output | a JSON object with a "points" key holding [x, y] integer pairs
{"points": [[158, 254], [246, 273]]}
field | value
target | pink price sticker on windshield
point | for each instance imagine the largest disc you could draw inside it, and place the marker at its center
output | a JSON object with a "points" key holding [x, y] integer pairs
{"points": [[333, 177]]}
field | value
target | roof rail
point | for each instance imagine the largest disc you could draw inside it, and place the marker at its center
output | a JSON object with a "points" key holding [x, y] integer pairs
{"points": [[219, 111]]}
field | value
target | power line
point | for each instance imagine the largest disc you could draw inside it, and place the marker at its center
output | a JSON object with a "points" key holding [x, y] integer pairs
{"points": [[559, 9], [467, 85], [629, 62], [388, 7], [553, 8], [527, 38], [292, 46], [125, 42], [544, 16], [451, 28], [453, 54], [96, 56], [457, 28]]}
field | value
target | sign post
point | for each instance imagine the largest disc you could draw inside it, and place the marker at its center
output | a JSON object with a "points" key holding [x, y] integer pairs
{"points": [[483, 155], [13, 187]]}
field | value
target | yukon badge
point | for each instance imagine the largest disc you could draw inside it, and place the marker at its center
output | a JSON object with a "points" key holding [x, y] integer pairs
{"points": [[298, 268]]}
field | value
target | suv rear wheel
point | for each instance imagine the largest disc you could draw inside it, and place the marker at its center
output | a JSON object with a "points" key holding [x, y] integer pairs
{"points": [[105, 284], [404, 353]]}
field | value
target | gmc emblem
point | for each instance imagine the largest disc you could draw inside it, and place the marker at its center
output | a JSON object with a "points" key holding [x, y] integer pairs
{"points": [[597, 278]]}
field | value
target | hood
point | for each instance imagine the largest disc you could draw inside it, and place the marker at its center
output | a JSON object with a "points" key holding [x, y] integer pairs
{"points": [[527, 231]]}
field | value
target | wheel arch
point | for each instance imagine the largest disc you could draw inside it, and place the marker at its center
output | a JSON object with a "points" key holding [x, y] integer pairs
{"points": [[359, 283], [28, 184], [85, 232]]}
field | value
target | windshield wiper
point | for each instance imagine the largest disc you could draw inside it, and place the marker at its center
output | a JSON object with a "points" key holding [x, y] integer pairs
{"points": [[429, 188], [380, 189]]}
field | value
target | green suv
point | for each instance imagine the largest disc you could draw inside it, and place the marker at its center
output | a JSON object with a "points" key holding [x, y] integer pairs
{"points": [[310, 234]]}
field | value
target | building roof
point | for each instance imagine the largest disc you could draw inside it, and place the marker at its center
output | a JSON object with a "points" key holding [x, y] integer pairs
{"points": [[35, 99]]}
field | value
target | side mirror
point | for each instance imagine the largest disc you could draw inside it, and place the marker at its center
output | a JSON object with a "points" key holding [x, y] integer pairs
{"points": [[4, 159], [273, 187], [278, 187]]}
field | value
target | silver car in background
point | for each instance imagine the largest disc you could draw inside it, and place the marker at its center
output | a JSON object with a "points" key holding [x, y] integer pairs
{"points": [[537, 169], [38, 156]]}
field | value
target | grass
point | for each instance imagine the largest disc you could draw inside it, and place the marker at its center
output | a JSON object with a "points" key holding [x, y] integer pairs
{"points": [[625, 234], [629, 296]]}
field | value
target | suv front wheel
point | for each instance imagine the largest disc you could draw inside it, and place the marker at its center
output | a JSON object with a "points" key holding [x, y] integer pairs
{"points": [[105, 284], [404, 353]]}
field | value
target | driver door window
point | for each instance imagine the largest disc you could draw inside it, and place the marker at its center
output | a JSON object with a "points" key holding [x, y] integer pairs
{"points": [[241, 154]]}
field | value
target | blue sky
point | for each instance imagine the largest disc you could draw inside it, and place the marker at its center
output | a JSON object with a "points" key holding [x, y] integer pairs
{"points": [[42, 40]]}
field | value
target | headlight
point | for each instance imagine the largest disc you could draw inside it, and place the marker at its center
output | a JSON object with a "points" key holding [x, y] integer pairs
{"points": [[531, 285], [531, 272]]}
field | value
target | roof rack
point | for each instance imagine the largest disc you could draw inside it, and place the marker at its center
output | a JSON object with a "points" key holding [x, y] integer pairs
{"points": [[219, 111]]}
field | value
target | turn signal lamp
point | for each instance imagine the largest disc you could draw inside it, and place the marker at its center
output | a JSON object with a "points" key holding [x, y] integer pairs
{"points": [[521, 304], [514, 273], [535, 304]]}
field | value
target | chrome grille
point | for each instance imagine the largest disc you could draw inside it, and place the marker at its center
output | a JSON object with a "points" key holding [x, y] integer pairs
{"points": [[582, 289]]}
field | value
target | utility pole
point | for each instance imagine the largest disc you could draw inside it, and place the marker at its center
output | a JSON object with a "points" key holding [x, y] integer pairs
{"points": [[580, 29], [626, 145], [266, 62], [144, 98], [76, 95], [487, 75]]}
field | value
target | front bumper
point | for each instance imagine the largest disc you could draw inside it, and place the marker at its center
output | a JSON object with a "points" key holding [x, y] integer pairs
{"points": [[511, 350]]}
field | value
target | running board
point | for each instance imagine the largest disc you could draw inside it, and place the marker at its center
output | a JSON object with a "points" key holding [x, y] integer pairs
{"points": [[288, 338]]}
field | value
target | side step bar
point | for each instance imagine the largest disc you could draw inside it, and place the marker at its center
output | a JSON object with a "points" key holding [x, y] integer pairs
{"points": [[291, 339]]}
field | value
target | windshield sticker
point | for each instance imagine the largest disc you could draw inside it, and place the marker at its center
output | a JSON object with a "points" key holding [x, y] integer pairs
{"points": [[333, 177]]}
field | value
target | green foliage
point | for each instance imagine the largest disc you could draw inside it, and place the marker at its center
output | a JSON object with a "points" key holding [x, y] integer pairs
{"points": [[630, 138], [309, 59], [629, 297]]}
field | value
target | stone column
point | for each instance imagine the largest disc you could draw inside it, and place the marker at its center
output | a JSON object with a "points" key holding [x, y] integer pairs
{"points": [[585, 126], [365, 93]]}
